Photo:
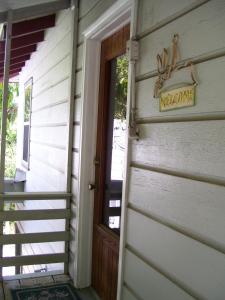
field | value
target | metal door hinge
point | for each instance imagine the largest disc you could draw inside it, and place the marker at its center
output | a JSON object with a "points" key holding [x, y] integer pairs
{"points": [[132, 50]]}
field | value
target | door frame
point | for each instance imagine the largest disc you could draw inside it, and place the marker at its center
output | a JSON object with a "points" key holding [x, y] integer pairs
{"points": [[119, 14]]}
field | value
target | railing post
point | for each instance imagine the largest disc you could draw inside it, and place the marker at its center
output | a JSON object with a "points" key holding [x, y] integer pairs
{"points": [[74, 7], [4, 117]]}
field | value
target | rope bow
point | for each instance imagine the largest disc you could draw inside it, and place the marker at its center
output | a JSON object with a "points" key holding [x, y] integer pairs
{"points": [[165, 69]]}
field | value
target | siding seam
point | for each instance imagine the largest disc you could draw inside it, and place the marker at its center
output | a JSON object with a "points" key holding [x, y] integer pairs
{"points": [[78, 70], [171, 18], [212, 116], [52, 49], [49, 125], [197, 177], [48, 144], [50, 105], [88, 11], [77, 96], [50, 86], [74, 176], [168, 276], [48, 164], [76, 150], [131, 291], [76, 123], [52, 67], [177, 228], [195, 60]]}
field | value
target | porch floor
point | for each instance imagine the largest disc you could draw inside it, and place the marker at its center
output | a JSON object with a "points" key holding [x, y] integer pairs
{"points": [[7, 285]]}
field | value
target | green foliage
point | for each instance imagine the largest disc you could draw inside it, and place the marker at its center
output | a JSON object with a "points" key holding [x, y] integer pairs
{"points": [[121, 87], [10, 162]]}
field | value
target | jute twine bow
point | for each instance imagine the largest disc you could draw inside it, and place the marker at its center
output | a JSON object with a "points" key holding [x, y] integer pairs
{"points": [[165, 69]]}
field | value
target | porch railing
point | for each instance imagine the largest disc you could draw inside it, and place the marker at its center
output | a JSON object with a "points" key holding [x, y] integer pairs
{"points": [[39, 237]]}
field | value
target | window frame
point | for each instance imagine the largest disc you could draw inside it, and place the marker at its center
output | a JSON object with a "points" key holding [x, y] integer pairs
{"points": [[28, 84]]}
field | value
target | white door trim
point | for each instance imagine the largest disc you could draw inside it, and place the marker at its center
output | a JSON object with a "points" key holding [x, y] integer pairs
{"points": [[115, 17]]}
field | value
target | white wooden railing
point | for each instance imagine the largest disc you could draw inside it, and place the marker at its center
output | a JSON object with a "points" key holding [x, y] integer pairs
{"points": [[43, 237]]}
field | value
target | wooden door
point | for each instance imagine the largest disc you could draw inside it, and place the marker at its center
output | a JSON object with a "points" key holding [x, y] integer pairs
{"points": [[109, 160]]}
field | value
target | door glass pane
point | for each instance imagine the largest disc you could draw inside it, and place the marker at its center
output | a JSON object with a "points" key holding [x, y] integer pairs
{"points": [[116, 134]]}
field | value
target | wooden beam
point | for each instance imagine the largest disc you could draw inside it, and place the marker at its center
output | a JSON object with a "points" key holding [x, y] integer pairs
{"points": [[34, 25], [43, 237], [42, 214], [33, 259], [26, 40], [12, 72], [33, 11], [34, 196], [13, 67], [20, 52], [19, 59]]}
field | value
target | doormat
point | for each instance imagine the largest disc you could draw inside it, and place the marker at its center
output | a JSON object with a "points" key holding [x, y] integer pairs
{"points": [[63, 291]]}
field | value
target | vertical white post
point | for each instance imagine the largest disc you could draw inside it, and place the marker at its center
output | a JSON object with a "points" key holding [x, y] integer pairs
{"points": [[74, 7], [4, 117]]}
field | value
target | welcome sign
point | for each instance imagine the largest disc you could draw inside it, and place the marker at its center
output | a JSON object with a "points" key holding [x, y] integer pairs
{"points": [[184, 96], [177, 98]]}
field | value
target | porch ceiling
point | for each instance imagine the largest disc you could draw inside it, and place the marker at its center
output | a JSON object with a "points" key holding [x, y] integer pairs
{"points": [[25, 37], [16, 4]]}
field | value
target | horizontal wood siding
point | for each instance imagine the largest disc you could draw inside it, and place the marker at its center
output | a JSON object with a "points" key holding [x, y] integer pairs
{"points": [[49, 67], [175, 243], [207, 101], [153, 283], [193, 147], [192, 26]]}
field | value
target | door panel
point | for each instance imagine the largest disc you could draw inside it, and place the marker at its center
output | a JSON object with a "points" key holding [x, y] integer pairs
{"points": [[109, 163]]}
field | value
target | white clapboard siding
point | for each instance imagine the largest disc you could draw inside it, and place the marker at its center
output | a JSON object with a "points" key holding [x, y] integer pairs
{"points": [[77, 109], [192, 29], [52, 96], [79, 77], [80, 54], [57, 54], [154, 12], [76, 137], [127, 295], [75, 188], [53, 39], [41, 226], [49, 67], [53, 136], [53, 204], [73, 230], [195, 147], [194, 206], [193, 265], [53, 58], [54, 114], [59, 73], [86, 6], [55, 177], [209, 92], [75, 164], [92, 16], [148, 283], [55, 157]]}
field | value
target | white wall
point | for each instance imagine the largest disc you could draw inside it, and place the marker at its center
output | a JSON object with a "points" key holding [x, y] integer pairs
{"points": [[49, 67], [175, 242]]}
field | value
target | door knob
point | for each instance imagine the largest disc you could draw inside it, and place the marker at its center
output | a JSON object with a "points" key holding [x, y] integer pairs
{"points": [[91, 186]]}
